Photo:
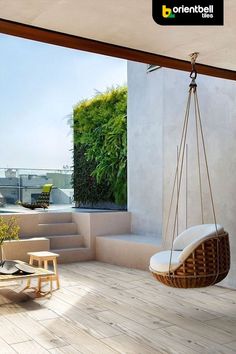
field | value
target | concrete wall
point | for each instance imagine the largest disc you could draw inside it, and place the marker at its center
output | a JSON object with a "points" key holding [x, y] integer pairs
{"points": [[155, 122], [62, 196], [91, 225], [145, 155]]}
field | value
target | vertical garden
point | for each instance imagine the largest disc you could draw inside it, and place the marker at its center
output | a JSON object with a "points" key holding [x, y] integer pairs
{"points": [[100, 149]]}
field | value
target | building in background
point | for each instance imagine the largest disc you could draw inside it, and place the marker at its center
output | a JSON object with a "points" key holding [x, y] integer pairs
{"points": [[26, 185]]}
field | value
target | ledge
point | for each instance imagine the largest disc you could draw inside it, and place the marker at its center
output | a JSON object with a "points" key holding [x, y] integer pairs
{"points": [[128, 250]]}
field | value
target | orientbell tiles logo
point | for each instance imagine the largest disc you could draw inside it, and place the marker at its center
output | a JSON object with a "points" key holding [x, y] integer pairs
{"points": [[167, 13], [188, 12]]}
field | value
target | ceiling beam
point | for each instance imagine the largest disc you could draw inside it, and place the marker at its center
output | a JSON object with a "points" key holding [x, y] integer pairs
{"points": [[89, 45]]}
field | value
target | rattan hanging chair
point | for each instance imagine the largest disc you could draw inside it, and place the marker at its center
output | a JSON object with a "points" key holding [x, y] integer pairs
{"points": [[200, 255], [207, 264]]}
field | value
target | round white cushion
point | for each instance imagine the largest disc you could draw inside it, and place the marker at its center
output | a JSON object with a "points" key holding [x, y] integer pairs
{"points": [[195, 234], [160, 261]]}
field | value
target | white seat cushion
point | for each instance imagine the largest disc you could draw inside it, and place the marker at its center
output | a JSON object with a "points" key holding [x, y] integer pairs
{"points": [[194, 234], [160, 261], [184, 245]]}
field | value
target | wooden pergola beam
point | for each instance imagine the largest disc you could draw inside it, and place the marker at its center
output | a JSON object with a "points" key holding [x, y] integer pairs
{"points": [[89, 45]]}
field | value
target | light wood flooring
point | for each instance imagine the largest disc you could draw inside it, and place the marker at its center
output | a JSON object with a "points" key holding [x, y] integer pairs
{"points": [[106, 309]]}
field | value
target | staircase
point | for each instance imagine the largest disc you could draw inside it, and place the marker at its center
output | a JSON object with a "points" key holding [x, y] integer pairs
{"points": [[63, 235]]}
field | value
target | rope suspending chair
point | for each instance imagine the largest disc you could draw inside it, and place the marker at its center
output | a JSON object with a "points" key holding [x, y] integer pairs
{"points": [[200, 255]]}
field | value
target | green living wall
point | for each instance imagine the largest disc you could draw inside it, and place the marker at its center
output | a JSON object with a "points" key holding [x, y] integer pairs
{"points": [[100, 148]]}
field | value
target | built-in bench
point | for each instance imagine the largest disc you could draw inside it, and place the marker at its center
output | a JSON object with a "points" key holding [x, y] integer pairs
{"points": [[128, 250], [18, 249], [83, 236]]}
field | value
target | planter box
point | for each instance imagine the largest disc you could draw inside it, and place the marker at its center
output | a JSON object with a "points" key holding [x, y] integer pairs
{"points": [[100, 205], [17, 249]]}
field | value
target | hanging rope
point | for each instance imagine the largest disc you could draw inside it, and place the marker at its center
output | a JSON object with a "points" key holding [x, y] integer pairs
{"points": [[209, 183], [176, 171], [181, 152], [186, 189], [198, 157], [206, 162], [175, 177], [177, 229], [180, 161]]}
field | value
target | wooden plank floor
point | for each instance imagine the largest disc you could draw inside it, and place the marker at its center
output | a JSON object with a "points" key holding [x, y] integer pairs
{"points": [[106, 309]]}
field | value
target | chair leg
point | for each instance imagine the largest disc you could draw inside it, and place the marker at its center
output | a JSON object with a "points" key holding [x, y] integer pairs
{"points": [[31, 261], [39, 279], [48, 278], [51, 285], [39, 285], [56, 273]]}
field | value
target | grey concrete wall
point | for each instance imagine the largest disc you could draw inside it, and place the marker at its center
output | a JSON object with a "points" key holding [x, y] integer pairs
{"points": [[145, 113], [156, 120]]}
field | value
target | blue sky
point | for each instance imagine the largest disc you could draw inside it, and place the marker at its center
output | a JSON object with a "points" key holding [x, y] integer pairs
{"points": [[39, 85]]}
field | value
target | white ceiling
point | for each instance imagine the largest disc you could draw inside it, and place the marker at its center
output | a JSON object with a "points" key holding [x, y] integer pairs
{"points": [[129, 23]]}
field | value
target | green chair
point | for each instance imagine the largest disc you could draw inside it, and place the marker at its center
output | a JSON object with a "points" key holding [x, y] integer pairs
{"points": [[43, 199]]}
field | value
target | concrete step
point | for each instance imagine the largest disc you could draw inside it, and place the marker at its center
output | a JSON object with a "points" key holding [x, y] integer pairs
{"points": [[69, 255], [66, 241], [69, 228], [127, 250], [53, 218]]}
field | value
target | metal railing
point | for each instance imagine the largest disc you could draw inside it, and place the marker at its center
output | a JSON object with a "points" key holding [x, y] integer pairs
{"points": [[25, 184]]}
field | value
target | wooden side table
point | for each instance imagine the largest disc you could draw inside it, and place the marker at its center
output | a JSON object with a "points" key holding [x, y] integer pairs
{"points": [[42, 259]]}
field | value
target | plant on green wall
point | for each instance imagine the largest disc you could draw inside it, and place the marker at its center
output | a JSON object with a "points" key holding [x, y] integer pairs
{"points": [[100, 138], [86, 189]]}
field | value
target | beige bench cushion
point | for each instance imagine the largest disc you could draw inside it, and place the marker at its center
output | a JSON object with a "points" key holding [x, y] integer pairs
{"points": [[160, 261], [194, 234], [192, 246]]}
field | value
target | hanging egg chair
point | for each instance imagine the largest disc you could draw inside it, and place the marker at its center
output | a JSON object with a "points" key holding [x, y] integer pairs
{"points": [[200, 255]]}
